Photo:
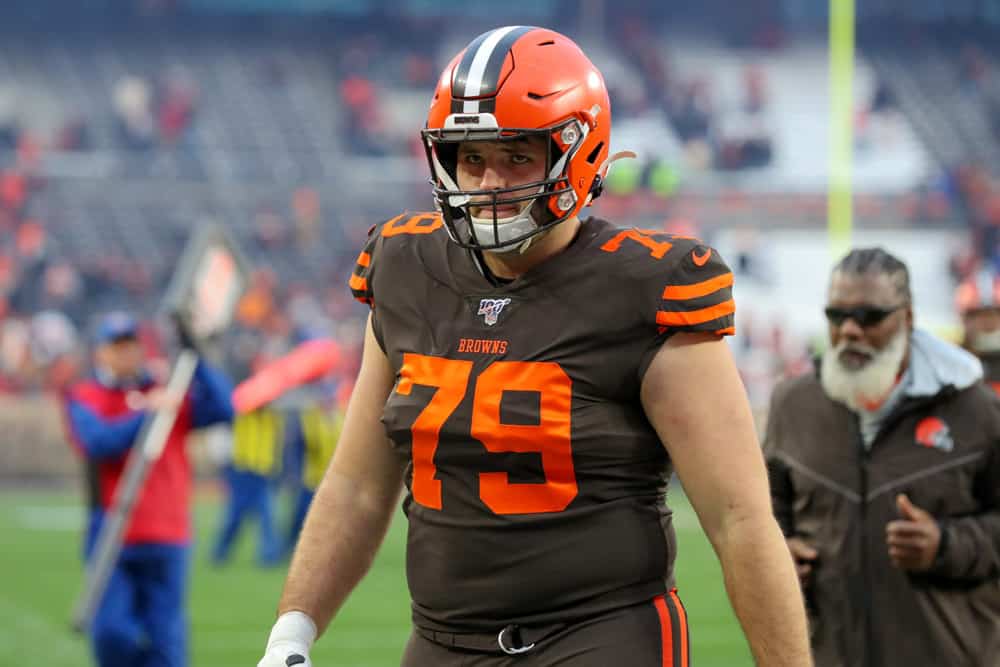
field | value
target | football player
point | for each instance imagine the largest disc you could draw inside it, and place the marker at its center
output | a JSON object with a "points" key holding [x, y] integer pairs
{"points": [[533, 378]]}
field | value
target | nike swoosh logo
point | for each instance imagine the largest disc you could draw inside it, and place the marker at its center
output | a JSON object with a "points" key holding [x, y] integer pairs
{"points": [[700, 260]]}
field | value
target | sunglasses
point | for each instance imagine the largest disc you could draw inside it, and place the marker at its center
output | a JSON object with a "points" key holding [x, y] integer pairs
{"points": [[865, 316]]}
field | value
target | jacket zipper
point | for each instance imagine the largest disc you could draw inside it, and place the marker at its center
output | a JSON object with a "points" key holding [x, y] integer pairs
{"points": [[863, 459]]}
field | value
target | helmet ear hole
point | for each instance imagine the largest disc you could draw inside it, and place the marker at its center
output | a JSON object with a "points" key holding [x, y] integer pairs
{"points": [[594, 154]]}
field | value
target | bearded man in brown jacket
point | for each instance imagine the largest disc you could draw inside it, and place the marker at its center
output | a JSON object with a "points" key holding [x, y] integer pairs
{"points": [[885, 478]]}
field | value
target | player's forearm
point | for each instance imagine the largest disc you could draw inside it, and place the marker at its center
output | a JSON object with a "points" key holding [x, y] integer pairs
{"points": [[763, 589], [343, 531]]}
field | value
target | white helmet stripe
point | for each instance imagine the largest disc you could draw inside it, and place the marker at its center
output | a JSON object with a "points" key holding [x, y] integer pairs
{"points": [[474, 81]]}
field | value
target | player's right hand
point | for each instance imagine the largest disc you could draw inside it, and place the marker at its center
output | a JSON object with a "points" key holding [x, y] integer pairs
{"points": [[804, 557], [291, 638]]}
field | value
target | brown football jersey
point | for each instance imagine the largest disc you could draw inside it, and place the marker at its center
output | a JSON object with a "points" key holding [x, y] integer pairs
{"points": [[536, 483]]}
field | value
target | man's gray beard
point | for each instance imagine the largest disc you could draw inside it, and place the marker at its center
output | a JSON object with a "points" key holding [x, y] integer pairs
{"points": [[985, 343], [872, 382]]}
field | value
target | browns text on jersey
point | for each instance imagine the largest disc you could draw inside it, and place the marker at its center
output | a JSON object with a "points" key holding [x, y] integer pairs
{"points": [[482, 346]]}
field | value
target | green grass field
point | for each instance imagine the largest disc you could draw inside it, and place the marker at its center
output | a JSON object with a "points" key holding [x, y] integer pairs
{"points": [[232, 608]]}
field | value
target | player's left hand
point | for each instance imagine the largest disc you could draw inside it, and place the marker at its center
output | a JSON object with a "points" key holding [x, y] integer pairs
{"points": [[914, 539]]}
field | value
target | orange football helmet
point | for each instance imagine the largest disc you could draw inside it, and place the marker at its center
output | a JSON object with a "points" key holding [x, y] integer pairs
{"points": [[979, 291], [513, 83]]}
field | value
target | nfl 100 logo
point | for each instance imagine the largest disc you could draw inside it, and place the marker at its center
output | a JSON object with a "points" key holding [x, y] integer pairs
{"points": [[490, 309]]}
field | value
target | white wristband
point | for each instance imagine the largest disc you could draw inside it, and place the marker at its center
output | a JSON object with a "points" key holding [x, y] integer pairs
{"points": [[293, 629]]}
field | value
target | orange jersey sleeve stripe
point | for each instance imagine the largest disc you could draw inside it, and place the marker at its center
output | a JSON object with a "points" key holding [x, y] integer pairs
{"points": [[358, 284], [700, 316], [698, 290], [728, 331], [364, 259]]}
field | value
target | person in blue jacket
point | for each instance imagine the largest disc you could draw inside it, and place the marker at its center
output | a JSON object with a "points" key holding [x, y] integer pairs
{"points": [[141, 621]]}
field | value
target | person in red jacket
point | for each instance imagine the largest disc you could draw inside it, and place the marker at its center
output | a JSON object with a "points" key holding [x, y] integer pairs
{"points": [[141, 621]]}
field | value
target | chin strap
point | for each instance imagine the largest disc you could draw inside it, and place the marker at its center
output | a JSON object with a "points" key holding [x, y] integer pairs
{"points": [[523, 248], [523, 214]]}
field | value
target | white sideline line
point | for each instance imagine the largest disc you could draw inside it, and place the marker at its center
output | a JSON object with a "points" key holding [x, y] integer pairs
{"points": [[357, 638], [52, 518], [684, 518], [22, 629]]}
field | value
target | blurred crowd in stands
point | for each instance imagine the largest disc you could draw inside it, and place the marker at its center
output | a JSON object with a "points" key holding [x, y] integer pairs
{"points": [[978, 182], [301, 240]]}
